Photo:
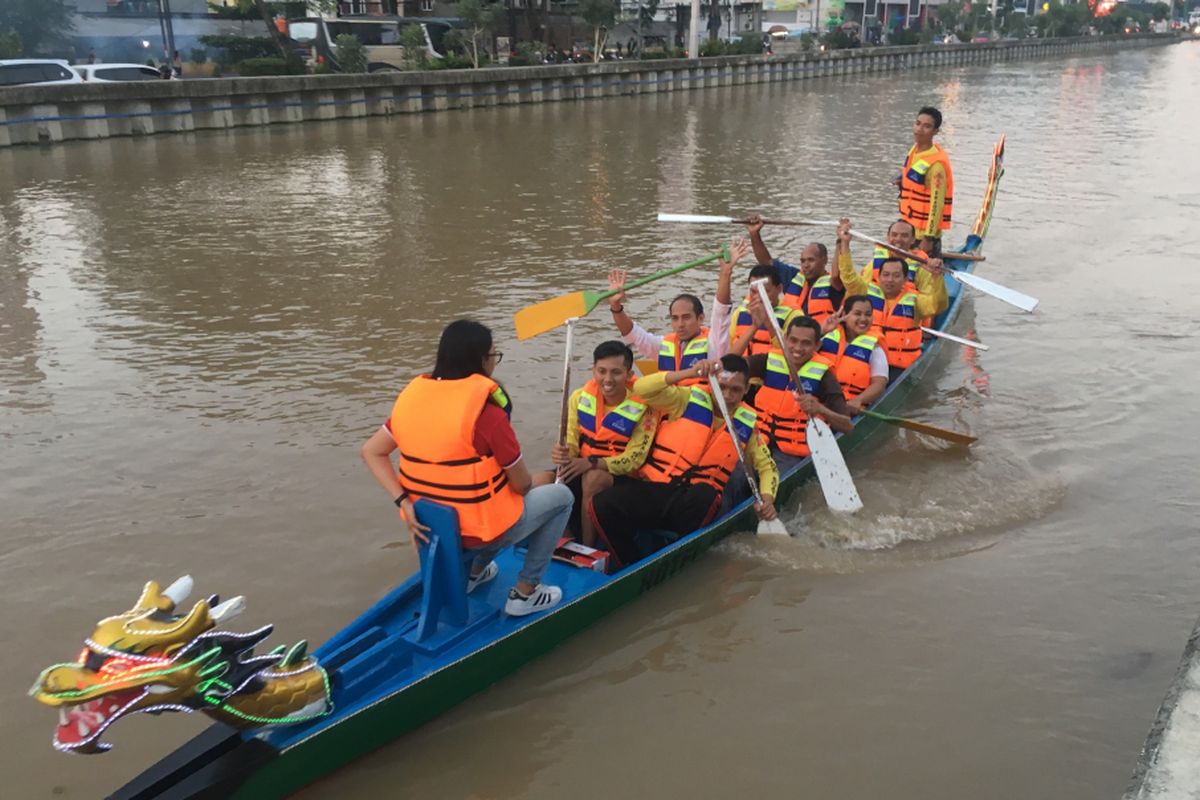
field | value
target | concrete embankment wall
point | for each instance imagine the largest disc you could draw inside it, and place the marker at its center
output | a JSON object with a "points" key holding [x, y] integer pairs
{"points": [[48, 114], [1169, 766]]}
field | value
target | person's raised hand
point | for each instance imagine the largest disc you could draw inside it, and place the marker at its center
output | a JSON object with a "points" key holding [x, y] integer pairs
{"points": [[754, 224], [739, 248], [616, 282]]}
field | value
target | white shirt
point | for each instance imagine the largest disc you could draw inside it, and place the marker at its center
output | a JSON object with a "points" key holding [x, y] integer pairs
{"points": [[646, 344], [878, 362]]}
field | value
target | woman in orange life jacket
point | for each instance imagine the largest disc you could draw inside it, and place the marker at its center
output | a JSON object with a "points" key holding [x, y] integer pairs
{"points": [[690, 461], [457, 447], [609, 432], [856, 353]]}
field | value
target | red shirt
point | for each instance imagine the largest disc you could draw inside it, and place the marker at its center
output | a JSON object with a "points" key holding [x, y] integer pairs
{"points": [[494, 436]]}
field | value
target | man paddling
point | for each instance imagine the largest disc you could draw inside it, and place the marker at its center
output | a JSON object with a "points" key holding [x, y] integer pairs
{"points": [[689, 341], [783, 411], [811, 288], [609, 431], [898, 313], [690, 461], [926, 182]]}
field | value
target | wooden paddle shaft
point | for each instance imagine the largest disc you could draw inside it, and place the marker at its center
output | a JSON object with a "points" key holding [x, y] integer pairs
{"points": [[566, 381], [761, 286]]}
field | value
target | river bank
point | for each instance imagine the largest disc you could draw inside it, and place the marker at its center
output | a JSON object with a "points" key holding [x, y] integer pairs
{"points": [[50, 114]]}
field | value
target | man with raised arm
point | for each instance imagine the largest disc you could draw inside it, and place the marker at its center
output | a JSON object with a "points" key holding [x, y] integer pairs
{"points": [[689, 341], [751, 336], [899, 306], [811, 289]]}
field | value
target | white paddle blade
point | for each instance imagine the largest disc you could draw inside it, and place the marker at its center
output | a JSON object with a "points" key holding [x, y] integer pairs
{"points": [[958, 339], [836, 483], [695, 218], [1010, 296], [772, 527]]}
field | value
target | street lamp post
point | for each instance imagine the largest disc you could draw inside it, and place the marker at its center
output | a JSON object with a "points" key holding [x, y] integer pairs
{"points": [[694, 31]]}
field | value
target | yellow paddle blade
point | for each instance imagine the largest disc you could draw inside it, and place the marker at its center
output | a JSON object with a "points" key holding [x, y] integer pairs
{"points": [[646, 366], [550, 314]]}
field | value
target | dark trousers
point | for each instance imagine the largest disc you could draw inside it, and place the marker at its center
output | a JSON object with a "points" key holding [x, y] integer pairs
{"points": [[632, 505]]}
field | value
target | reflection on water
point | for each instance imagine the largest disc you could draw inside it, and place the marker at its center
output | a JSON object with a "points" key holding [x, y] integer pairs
{"points": [[197, 332]]}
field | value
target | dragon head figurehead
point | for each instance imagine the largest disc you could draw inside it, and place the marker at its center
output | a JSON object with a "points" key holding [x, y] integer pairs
{"points": [[152, 659]]}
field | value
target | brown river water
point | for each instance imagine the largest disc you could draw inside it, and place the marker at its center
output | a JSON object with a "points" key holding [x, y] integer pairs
{"points": [[198, 331]]}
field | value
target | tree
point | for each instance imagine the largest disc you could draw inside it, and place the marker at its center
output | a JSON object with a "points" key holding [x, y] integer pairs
{"points": [[35, 23], [599, 14], [351, 53], [480, 17], [10, 45], [412, 39], [1160, 10], [647, 10], [949, 15]]}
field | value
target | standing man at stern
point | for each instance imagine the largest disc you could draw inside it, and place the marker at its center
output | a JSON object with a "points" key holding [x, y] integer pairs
{"points": [[927, 183]]}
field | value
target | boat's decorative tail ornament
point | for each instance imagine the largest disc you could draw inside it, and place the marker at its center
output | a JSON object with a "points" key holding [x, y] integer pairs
{"points": [[152, 659]]}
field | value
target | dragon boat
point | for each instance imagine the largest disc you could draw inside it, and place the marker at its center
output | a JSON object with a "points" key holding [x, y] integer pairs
{"points": [[286, 718]]}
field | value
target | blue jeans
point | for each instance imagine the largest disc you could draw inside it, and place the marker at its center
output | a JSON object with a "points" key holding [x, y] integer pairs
{"points": [[542, 522]]}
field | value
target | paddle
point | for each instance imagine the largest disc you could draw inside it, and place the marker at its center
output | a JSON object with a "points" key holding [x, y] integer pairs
{"points": [[922, 427], [773, 527], [959, 339], [549, 314], [829, 223], [836, 483], [1011, 296], [566, 388], [705, 219], [646, 366]]}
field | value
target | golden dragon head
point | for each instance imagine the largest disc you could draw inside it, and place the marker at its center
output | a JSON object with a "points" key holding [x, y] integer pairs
{"points": [[151, 659]]}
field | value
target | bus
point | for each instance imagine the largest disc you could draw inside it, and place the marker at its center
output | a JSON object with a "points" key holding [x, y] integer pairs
{"points": [[316, 37]]}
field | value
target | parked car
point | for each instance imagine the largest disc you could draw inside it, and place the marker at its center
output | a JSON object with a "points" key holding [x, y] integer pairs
{"points": [[26, 71], [114, 73]]}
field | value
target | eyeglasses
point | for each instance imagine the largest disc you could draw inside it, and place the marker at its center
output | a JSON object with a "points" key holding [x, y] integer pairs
{"points": [[497, 355]]}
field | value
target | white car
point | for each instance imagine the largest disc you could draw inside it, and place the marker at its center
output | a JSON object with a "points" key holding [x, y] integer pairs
{"points": [[115, 73], [26, 71]]}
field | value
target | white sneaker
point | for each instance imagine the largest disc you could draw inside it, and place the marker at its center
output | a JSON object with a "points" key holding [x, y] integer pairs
{"points": [[489, 572], [542, 598]]}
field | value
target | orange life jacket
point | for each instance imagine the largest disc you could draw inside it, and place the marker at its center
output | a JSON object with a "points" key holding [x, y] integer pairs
{"points": [[763, 339], [910, 280], [851, 362], [916, 200], [433, 423], [779, 416], [881, 255], [901, 334], [672, 357], [604, 433], [690, 450], [813, 299]]}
